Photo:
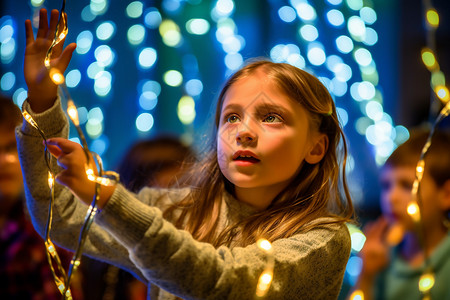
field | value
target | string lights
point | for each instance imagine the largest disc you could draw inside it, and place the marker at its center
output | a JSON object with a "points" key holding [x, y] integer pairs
{"points": [[62, 280], [266, 277]]}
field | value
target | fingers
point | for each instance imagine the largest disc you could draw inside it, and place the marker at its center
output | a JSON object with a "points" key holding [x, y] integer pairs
{"points": [[29, 36], [54, 16], [43, 25], [66, 56], [65, 146]]}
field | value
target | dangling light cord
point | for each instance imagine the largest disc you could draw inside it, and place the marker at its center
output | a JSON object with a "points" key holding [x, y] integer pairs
{"points": [[108, 178]]}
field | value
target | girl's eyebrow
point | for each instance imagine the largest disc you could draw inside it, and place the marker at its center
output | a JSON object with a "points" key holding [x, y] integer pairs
{"points": [[269, 107]]}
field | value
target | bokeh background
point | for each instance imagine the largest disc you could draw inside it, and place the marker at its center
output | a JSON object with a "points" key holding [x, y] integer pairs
{"points": [[147, 68]]}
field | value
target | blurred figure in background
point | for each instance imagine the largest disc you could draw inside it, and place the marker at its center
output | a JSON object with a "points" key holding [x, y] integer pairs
{"points": [[24, 270], [394, 273], [158, 162]]}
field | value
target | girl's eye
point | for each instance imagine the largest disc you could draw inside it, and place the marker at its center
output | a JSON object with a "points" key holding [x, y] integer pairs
{"points": [[232, 119], [272, 119]]}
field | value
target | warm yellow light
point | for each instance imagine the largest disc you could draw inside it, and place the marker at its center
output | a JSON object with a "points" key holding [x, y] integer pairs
{"points": [[442, 93], [426, 282], [413, 211], [264, 244], [51, 180], [56, 76], [429, 59], [433, 18], [29, 119], [357, 295], [264, 283], [72, 112]]}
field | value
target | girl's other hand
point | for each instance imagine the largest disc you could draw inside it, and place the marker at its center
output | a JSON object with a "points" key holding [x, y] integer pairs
{"points": [[72, 159], [41, 89]]}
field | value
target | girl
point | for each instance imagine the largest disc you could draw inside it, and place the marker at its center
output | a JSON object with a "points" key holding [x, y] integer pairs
{"points": [[271, 172]]}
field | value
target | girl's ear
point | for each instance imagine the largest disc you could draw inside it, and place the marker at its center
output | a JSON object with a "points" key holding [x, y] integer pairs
{"points": [[318, 149]]}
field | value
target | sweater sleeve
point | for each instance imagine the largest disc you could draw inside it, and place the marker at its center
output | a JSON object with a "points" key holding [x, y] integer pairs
{"points": [[307, 265], [68, 212]]}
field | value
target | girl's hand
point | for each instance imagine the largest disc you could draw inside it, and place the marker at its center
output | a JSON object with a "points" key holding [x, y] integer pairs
{"points": [[375, 253], [41, 89], [72, 159]]}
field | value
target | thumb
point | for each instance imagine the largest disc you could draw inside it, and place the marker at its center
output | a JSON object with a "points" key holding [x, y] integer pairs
{"points": [[66, 56]]}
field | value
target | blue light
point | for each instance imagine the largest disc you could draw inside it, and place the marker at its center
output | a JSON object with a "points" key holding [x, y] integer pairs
{"points": [[152, 86], [338, 87], [7, 82], [296, 60], [355, 4], [106, 30], [401, 134], [84, 42], [102, 84], [335, 17], [356, 27], [344, 44], [287, 14], [354, 266], [82, 114], [316, 54], [171, 6], [8, 51], [368, 15], [232, 45], [278, 53], [134, 9], [148, 100], [374, 110], [233, 61], [19, 96], [363, 57], [96, 113], [100, 145], [104, 56], [371, 37], [354, 91], [6, 31], [147, 58], [93, 69], [152, 18], [309, 32], [306, 12], [87, 15], [333, 61], [343, 72], [73, 78], [197, 26], [224, 8], [366, 90], [342, 116], [136, 34], [193, 87], [144, 122], [335, 2]]}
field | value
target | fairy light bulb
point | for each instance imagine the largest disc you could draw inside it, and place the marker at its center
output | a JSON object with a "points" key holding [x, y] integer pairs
{"points": [[432, 18], [357, 295], [29, 119], [413, 211], [426, 282], [264, 244], [72, 112], [442, 93], [56, 76], [429, 59], [51, 180]]}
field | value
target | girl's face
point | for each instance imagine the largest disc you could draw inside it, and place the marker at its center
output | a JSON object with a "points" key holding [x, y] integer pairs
{"points": [[263, 136]]}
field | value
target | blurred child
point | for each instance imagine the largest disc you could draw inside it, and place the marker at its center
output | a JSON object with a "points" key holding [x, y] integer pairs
{"points": [[394, 273], [271, 171]]}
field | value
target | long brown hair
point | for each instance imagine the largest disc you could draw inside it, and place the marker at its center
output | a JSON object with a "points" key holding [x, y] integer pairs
{"points": [[313, 193]]}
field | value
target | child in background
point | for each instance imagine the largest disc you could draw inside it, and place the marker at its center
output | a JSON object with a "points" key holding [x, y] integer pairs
{"points": [[395, 274], [271, 172]]}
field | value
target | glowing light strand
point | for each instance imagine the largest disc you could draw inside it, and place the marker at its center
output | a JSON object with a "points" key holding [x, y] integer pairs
{"points": [[266, 277], [62, 280], [429, 58]]}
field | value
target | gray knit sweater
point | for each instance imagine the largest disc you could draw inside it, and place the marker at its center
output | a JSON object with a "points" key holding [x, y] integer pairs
{"points": [[131, 233]]}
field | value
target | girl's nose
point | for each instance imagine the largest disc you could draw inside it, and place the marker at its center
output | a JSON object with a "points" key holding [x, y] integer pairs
{"points": [[245, 135]]}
